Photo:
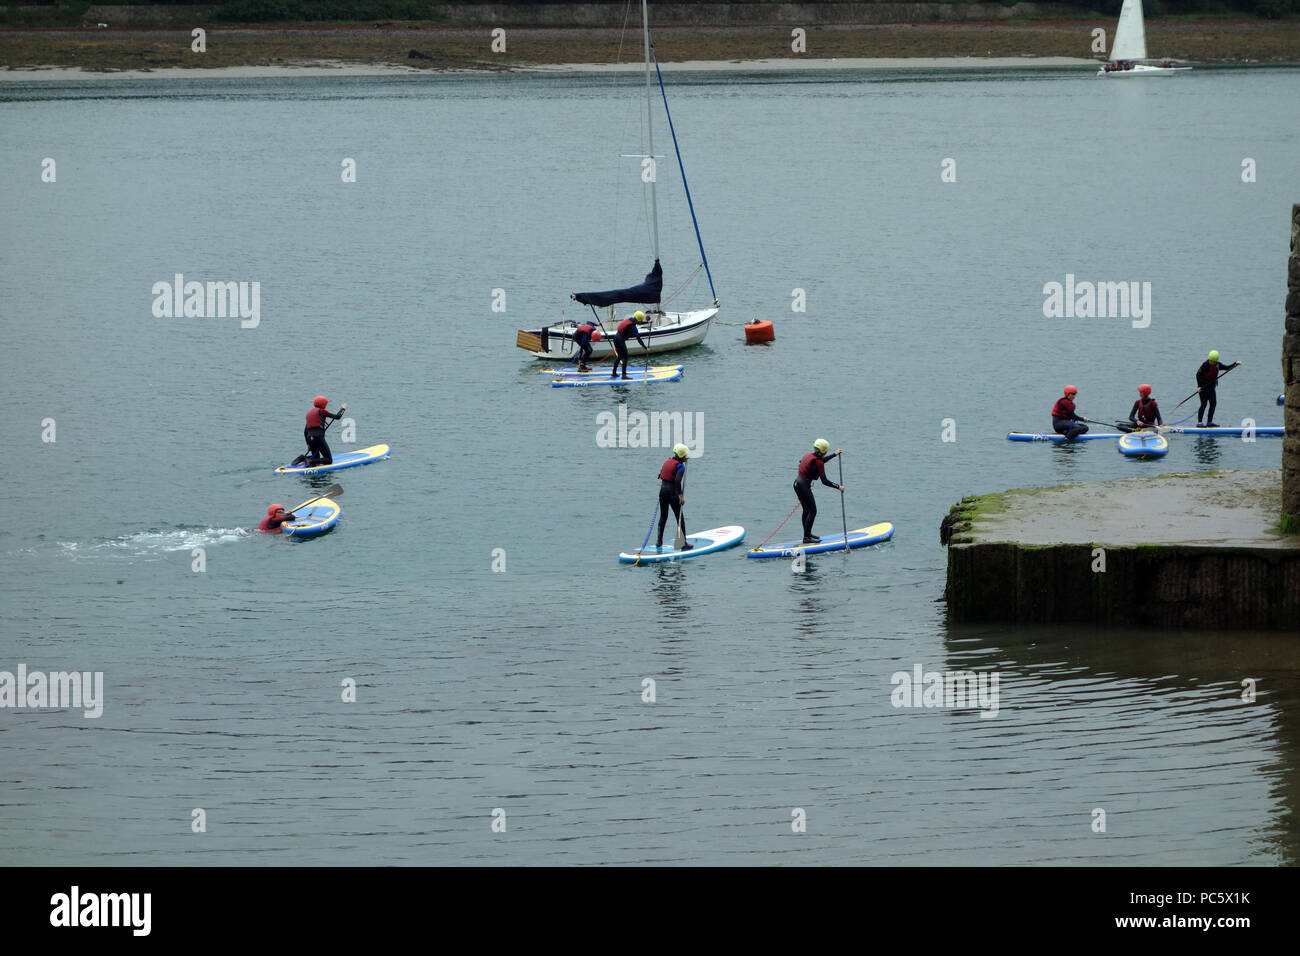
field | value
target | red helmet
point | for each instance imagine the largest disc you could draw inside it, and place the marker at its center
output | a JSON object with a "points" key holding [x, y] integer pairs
{"points": [[1144, 390], [595, 335], [1071, 390], [320, 401], [272, 509]]}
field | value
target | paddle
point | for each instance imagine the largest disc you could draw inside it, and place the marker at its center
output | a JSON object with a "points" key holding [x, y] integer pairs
{"points": [[1216, 382], [679, 542], [333, 491], [843, 516]]}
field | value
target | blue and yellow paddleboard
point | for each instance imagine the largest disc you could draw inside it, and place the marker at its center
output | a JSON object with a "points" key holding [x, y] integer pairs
{"points": [[1143, 445], [859, 537], [317, 518], [635, 377], [348, 459]]}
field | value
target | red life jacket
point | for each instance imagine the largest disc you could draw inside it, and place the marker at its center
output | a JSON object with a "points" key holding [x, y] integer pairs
{"points": [[1147, 410], [669, 471], [625, 325], [811, 467], [585, 329], [267, 526], [1063, 408], [314, 419]]}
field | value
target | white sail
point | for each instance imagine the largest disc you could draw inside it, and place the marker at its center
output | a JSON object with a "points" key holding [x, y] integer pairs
{"points": [[1130, 35]]}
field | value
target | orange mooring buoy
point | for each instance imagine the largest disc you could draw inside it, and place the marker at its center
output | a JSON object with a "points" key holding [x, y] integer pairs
{"points": [[760, 330]]}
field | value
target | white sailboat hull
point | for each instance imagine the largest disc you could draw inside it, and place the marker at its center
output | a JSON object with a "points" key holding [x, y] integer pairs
{"points": [[667, 332], [1142, 69]]}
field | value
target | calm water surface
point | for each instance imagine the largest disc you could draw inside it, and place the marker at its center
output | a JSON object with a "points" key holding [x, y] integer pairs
{"points": [[522, 689]]}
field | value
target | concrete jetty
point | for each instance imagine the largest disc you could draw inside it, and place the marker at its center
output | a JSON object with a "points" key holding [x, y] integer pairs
{"points": [[1201, 550]]}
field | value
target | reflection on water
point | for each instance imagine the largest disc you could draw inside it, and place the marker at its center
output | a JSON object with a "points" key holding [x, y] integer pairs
{"points": [[1204, 718], [1205, 450]]}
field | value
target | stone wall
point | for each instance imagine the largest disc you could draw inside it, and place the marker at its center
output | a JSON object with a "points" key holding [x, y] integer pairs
{"points": [[1150, 586], [1291, 376]]}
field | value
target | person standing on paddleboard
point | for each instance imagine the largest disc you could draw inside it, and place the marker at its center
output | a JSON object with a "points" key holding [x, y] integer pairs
{"points": [[620, 341], [1207, 380], [672, 495], [1064, 420], [583, 336], [318, 452], [811, 467], [1145, 412], [275, 516]]}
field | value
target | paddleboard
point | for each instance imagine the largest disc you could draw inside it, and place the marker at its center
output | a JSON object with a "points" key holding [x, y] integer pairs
{"points": [[572, 370], [317, 518], [703, 542], [1143, 445], [1228, 432], [1039, 436], [349, 459], [635, 377], [858, 537]]}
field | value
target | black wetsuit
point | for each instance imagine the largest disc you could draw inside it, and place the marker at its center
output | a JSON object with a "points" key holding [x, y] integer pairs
{"points": [[1145, 411], [670, 496], [582, 339], [318, 452], [810, 467], [1207, 380], [620, 344], [1065, 421]]}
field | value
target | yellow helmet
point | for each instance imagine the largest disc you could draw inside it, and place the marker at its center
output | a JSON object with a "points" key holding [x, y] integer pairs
{"points": [[681, 451], [822, 445], [639, 315]]}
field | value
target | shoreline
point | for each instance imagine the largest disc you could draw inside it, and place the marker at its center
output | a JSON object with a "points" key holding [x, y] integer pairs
{"points": [[61, 74], [32, 53]]}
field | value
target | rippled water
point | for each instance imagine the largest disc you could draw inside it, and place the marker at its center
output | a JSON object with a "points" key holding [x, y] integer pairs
{"points": [[523, 689]]}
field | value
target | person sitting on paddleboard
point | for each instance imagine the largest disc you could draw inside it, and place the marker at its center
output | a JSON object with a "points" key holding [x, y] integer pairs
{"points": [[1145, 412], [275, 516], [811, 467], [583, 336], [318, 452], [1207, 380], [628, 325], [1064, 420], [671, 493]]}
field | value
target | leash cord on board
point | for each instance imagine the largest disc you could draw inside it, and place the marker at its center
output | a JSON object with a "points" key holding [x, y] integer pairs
{"points": [[773, 534]]}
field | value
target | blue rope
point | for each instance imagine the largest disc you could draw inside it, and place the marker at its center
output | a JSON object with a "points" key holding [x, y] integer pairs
{"points": [[648, 532], [677, 149]]}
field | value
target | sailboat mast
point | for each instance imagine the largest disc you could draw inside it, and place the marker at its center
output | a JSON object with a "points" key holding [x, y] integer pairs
{"points": [[649, 130]]}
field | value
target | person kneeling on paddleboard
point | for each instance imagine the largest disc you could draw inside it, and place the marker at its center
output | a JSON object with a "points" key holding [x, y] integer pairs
{"points": [[620, 341], [1207, 380], [811, 467], [672, 494], [275, 516], [1145, 412], [318, 452], [1064, 420], [583, 336]]}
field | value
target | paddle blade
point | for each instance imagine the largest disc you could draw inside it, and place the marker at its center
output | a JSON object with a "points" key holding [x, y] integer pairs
{"points": [[333, 491], [679, 542]]}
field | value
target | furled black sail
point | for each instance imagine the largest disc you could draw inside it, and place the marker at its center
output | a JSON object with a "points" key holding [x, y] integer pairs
{"points": [[648, 292]]}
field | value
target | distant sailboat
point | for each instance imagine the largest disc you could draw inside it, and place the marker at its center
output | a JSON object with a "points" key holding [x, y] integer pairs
{"points": [[1130, 47]]}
